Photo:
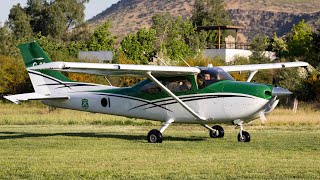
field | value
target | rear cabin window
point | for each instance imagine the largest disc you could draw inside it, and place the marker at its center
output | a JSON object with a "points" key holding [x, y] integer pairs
{"points": [[173, 84]]}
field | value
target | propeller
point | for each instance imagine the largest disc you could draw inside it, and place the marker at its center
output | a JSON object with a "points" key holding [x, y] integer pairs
{"points": [[262, 117]]}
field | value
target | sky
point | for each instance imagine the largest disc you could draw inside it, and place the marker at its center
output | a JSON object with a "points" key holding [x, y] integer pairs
{"points": [[92, 9]]}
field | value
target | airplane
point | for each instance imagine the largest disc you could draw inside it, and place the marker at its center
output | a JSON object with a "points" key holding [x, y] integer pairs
{"points": [[170, 94]]}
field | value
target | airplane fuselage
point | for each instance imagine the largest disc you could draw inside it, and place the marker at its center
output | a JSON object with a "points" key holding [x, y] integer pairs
{"points": [[217, 107]]}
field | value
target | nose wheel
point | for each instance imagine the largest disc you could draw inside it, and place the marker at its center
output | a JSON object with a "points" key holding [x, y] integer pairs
{"points": [[243, 136]]}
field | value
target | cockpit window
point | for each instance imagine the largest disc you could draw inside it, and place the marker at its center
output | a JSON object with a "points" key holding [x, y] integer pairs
{"points": [[177, 84], [209, 76]]}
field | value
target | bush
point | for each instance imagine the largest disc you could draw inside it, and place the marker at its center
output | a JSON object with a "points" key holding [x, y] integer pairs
{"points": [[14, 77]]}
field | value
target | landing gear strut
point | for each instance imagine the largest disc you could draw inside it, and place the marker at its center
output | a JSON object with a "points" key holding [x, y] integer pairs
{"points": [[243, 136], [155, 136], [215, 131]]}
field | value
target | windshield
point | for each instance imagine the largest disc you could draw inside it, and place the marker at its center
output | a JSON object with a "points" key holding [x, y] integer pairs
{"points": [[211, 75]]}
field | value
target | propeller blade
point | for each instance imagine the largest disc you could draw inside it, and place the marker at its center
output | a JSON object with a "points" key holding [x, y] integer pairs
{"points": [[262, 117]]}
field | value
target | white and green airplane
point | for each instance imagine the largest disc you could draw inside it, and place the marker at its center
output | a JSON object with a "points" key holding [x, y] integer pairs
{"points": [[170, 94]]}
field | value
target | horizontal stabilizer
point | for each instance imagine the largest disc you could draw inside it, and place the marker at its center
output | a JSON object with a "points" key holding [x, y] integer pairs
{"points": [[32, 96]]}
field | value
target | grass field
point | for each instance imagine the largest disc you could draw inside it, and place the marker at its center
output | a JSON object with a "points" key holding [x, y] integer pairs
{"points": [[76, 145]]}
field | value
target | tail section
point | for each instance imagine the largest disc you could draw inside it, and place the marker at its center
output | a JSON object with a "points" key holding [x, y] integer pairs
{"points": [[49, 82], [34, 55]]}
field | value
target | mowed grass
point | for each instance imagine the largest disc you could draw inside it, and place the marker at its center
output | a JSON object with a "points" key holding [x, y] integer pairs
{"points": [[57, 149]]}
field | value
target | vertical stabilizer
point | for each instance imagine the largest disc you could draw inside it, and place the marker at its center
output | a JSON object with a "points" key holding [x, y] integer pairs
{"points": [[42, 80]]}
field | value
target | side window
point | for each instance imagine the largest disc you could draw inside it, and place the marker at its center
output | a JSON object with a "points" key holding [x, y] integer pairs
{"points": [[178, 85], [151, 87], [174, 85]]}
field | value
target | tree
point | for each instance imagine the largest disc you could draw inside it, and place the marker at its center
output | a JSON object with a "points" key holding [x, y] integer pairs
{"points": [[279, 46], [102, 40], [258, 46], [210, 13], [19, 22], [13, 75], [7, 42], [299, 40], [140, 46], [175, 36], [50, 18], [315, 60]]}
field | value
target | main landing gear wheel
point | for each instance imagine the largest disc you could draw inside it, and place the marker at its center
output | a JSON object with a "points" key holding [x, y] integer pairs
{"points": [[218, 133], [154, 136], [245, 137]]}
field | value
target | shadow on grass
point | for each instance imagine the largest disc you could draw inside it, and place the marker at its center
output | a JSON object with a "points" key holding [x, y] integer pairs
{"points": [[20, 135]]}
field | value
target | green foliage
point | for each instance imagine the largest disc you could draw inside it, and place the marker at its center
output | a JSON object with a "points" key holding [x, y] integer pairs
{"points": [[140, 46], [299, 40], [50, 18], [210, 13], [19, 22], [175, 36], [300, 44], [7, 42], [311, 91], [279, 46], [315, 58], [203, 61], [13, 75], [292, 79], [102, 40], [259, 45]]}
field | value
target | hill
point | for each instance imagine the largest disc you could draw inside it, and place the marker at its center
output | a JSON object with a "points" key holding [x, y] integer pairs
{"points": [[257, 16]]}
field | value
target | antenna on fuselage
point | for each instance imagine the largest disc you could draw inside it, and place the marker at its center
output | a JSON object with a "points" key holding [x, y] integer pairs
{"points": [[184, 61], [162, 60]]}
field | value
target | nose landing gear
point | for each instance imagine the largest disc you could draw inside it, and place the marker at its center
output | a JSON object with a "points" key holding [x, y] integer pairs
{"points": [[243, 136]]}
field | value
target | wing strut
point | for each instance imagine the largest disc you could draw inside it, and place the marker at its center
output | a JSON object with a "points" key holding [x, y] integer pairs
{"points": [[184, 105], [252, 73]]}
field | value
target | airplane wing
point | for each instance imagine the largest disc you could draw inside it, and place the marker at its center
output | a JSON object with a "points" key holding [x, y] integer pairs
{"points": [[256, 67], [32, 96], [117, 69]]}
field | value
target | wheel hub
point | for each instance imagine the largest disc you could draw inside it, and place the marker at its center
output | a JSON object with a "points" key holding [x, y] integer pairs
{"points": [[153, 138]]}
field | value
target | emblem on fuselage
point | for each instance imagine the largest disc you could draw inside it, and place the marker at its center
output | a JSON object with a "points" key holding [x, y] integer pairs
{"points": [[85, 103]]}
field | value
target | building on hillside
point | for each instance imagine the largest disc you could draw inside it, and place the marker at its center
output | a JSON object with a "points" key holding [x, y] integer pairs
{"points": [[231, 47], [101, 56]]}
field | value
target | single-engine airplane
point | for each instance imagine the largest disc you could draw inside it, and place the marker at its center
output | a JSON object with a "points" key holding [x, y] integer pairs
{"points": [[170, 94]]}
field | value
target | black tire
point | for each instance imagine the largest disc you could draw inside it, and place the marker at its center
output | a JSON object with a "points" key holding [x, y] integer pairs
{"points": [[219, 132], [245, 137], [154, 136]]}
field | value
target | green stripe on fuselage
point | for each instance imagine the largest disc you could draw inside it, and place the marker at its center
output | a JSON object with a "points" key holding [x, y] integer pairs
{"points": [[227, 86], [258, 90]]}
